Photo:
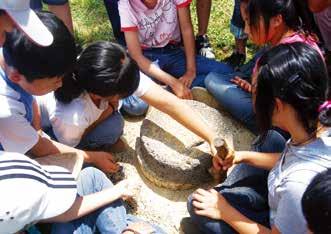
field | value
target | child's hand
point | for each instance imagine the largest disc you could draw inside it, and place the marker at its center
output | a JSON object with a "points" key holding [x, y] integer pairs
{"points": [[229, 161], [105, 162], [187, 79], [182, 91], [209, 203], [127, 188], [245, 85]]}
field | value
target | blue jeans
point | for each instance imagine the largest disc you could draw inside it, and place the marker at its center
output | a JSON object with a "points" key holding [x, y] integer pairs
{"points": [[104, 134], [114, 18], [172, 60], [110, 219], [231, 97], [134, 106], [245, 189], [37, 4]]}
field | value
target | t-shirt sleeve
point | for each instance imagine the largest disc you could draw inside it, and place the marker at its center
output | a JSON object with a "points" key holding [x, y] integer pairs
{"points": [[128, 20], [144, 85], [17, 134], [182, 3], [289, 217], [68, 133]]}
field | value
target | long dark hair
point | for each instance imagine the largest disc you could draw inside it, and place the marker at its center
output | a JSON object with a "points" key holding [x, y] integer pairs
{"points": [[296, 74], [295, 14], [104, 68]]}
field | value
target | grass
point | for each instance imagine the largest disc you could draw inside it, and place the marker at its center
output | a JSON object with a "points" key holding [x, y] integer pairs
{"points": [[91, 24]]}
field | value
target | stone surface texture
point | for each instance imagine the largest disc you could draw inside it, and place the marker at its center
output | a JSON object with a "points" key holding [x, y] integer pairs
{"points": [[173, 157]]}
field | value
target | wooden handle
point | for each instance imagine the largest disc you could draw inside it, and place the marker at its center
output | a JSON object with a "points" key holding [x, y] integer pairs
{"points": [[221, 147]]}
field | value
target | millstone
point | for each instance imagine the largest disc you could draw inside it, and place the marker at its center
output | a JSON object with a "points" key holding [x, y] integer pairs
{"points": [[173, 157]]}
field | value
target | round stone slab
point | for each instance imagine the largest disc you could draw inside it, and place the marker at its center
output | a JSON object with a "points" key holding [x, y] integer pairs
{"points": [[173, 157]]}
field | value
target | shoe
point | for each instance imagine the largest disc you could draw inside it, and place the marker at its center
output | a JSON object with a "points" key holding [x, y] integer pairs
{"points": [[235, 60], [203, 46]]}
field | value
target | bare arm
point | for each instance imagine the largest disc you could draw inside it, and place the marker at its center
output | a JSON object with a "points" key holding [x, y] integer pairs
{"points": [[36, 122], [151, 69], [262, 160], [45, 147], [244, 225], [212, 204], [189, 44], [177, 109], [89, 203]]}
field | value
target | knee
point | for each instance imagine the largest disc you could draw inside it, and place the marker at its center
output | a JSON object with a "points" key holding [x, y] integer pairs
{"points": [[117, 125], [56, 2], [274, 142], [210, 79], [135, 106]]}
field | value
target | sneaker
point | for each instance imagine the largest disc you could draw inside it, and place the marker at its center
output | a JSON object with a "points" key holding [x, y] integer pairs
{"points": [[203, 46], [235, 60]]}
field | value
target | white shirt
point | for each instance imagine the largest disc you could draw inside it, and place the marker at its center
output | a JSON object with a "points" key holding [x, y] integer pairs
{"points": [[69, 121], [16, 131]]}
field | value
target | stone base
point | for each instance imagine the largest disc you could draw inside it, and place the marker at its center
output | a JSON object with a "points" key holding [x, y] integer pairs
{"points": [[173, 157]]}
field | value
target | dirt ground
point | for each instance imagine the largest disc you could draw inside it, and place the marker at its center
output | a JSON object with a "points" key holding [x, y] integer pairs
{"points": [[164, 207]]}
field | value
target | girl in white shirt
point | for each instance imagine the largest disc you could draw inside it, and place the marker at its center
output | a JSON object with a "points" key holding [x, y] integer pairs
{"points": [[83, 112]]}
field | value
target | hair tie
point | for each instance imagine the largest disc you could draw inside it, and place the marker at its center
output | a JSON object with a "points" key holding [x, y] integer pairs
{"points": [[325, 105]]}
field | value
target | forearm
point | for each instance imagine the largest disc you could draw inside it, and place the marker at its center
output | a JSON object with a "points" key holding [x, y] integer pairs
{"points": [[46, 147], [154, 71], [188, 39], [178, 110], [87, 204], [241, 223], [262, 160]]}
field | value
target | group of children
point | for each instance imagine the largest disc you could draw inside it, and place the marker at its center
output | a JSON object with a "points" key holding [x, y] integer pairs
{"points": [[55, 101]]}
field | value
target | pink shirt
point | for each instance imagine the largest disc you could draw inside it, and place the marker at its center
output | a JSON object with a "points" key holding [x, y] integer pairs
{"points": [[156, 27], [296, 37]]}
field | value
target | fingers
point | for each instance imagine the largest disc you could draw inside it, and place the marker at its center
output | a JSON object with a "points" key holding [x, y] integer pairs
{"points": [[245, 85], [217, 163]]}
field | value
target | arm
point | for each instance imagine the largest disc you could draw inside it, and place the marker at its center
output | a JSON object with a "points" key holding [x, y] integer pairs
{"points": [[262, 160], [36, 122], [189, 44], [89, 203], [45, 147], [177, 109], [151, 69], [213, 205]]}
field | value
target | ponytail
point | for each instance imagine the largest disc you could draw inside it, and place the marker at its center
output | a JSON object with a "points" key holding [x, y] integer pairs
{"points": [[325, 114], [70, 89]]}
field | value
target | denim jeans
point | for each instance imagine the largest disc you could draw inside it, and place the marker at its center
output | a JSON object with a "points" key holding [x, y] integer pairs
{"points": [[111, 219], [104, 134], [37, 4], [134, 106], [114, 18], [172, 60], [245, 189], [231, 97]]}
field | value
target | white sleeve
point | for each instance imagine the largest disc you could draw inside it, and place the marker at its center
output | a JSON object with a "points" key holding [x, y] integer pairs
{"points": [[144, 85], [17, 134], [68, 133]]}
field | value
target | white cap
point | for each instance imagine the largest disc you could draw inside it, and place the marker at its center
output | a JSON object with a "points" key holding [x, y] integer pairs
{"points": [[26, 19], [30, 192]]}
